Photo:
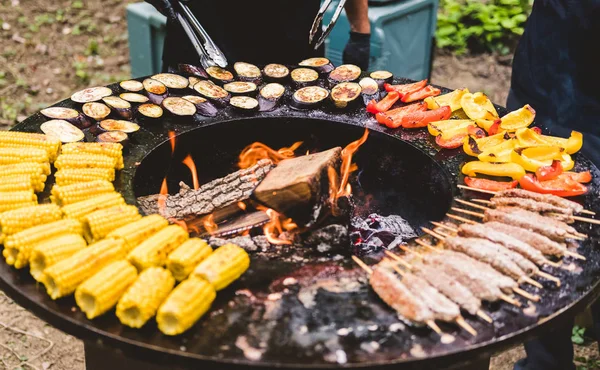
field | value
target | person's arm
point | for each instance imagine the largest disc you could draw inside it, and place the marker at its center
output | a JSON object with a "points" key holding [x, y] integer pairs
{"points": [[358, 49]]}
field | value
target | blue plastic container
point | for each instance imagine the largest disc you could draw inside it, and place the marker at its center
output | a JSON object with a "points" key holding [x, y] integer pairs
{"points": [[401, 37]]}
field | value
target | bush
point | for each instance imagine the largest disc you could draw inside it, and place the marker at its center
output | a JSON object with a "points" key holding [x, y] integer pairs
{"points": [[480, 25]]}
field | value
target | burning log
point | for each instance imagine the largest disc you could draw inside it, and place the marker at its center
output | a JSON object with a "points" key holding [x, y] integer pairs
{"points": [[298, 185], [215, 195]]}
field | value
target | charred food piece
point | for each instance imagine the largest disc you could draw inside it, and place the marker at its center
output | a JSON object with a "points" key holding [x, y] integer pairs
{"points": [[172, 81], [344, 73], [244, 104], [222, 76], [212, 92], [548, 198], [96, 111], [345, 94], [382, 77], [269, 96], [247, 72], [309, 97], [203, 106], [156, 90], [119, 106], [319, 64], [302, 77], [276, 72], [240, 88], [179, 107], [149, 112]]}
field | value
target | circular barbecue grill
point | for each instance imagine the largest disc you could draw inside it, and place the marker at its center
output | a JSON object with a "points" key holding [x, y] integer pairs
{"points": [[325, 319]]}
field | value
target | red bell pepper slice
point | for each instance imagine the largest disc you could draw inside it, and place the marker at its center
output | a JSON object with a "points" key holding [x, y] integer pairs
{"points": [[406, 88], [454, 142], [582, 177], [422, 118], [537, 130], [478, 132], [490, 185], [393, 117], [386, 120], [421, 94], [494, 127], [546, 173], [561, 186], [384, 104]]}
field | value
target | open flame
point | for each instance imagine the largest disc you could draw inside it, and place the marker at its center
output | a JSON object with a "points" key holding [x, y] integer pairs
{"points": [[189, 162], [209, 224], [274, 228], [172, 141], [257, 151], [241, 205], [162, 196], [347, 166]]}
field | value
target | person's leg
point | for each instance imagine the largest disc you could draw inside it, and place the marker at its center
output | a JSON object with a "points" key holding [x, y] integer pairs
{"points": [[553, 351]]}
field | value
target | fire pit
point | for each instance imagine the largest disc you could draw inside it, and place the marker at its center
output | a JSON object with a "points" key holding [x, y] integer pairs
{"points": [[299, 306]]}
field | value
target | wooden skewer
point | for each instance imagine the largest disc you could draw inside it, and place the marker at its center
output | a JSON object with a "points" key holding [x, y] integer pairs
{"points": [[406, 249], [552, 263], [478, 190], [425, 245], [444, 234], [482, 201], [462, 219], [465, 325], [474, 205], [444, 226], [549, 277], [510, 300], [582, 219], [471, 213], [369, 271], [524, 294], [484, 316], [588, 212], [433, 233], [574, 255], [530, 281], [398, 259]]}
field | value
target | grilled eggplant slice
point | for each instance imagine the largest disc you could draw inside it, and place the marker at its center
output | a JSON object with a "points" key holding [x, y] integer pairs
{"points": [[67, 114], [131, 85], [193, 80], [320, 64], [179, 107], [203, 106], [369, 90], [172, 81], [240, 88], [119, 137], [344, 73], [134, 97], [309, 97], [118, 125], [63, 130], [248, 72], [382, 77], [149, 112], [96, 111], [156, 90], [244, 103], [212, 92], [91, 94], [269, 96], [192, 70], [345, 94], [119, 106], [222, 76], [302, 77], [276, 72]]}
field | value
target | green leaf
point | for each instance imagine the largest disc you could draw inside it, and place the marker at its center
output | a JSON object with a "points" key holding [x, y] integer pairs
{"points": [[508, 23], [447, 30], [519, 18]]}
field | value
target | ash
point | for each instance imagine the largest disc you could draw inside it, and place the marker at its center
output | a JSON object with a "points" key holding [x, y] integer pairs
{"points": [[376, 231]]}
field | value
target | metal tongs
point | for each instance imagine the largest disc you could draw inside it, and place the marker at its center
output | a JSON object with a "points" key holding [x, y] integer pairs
{"points": [[208, 51], [319, 18]]}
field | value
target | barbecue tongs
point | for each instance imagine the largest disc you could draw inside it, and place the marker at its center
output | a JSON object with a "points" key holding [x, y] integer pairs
{"points": [[208, 51], [319, 19]]}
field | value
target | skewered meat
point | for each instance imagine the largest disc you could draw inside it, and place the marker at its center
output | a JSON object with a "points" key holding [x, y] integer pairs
{"points": [[516, 219], [539, 218], [539, 242], [546, 209], [485, 232], [443, 308], [483, 281], [449, 287], [483, 252], [547, 198], [393, 292]]}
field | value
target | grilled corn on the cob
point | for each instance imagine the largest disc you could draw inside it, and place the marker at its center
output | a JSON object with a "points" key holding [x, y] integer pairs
{"points": [[154, 250], [12, 222], [63, 277], [185, 305], [18, 246], [81, 209], [11, 200], [68, 176], [136, 232], [182, 261], [14, 139], [102, 291], [85, 161], [35, 170], [110, 149], [18, 155], [141, 301], [69, 194], [98, 224], [49, 252], [223, 266], [16, 183]]}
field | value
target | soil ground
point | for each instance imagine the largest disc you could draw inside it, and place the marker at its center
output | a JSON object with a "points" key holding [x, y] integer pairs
{"points": [[49, 49]]}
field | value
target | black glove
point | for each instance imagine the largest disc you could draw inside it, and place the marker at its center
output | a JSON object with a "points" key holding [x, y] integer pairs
{"points": [[165, 7], [358, 50]]}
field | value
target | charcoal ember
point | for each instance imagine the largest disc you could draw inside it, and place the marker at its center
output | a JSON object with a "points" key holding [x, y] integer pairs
{"points": [[376, 231], [331, 238], [250, 244]]}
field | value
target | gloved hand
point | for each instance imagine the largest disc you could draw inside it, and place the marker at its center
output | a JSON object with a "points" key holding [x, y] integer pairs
{"points": [[165, 7], [358, 50]]}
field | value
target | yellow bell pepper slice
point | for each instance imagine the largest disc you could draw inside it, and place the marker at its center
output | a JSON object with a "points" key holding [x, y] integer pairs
{"points": [[572, 145], [512, 170], [567, 162], [520, 118], [477, 106], [474, 146], [437, 127], [451, 99], [486, 124], [526, 137], [535, 157], [500, 153]]}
